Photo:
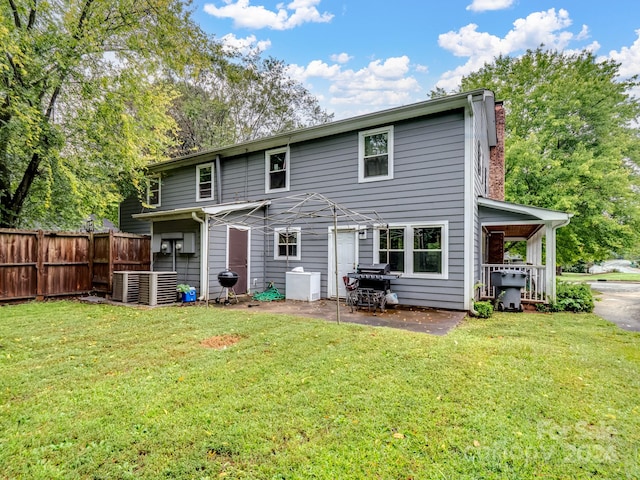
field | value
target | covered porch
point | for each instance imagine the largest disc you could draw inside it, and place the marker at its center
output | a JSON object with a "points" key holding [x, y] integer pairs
{"points": [[503, 223]]}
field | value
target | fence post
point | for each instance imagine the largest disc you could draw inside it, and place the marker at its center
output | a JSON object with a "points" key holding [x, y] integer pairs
{"points": [[110, 253], [92, 254], [40, 270]]}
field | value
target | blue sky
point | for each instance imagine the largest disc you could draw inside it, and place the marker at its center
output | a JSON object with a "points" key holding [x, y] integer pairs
{"points": [[359, 56]]}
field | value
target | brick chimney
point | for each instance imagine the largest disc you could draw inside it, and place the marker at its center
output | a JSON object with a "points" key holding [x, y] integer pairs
{"points": [[496, 158]]}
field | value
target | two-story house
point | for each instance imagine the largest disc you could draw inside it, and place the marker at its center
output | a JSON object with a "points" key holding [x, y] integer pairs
{"points": [[429, 177]]}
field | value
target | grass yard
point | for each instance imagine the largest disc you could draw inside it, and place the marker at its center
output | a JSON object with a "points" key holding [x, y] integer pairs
{"points": [[104, 392], [611, 276]]}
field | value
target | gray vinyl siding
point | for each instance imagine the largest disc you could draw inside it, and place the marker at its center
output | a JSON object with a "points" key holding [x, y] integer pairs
{"points": [[480, 166], [428, 186], [129, 207]]}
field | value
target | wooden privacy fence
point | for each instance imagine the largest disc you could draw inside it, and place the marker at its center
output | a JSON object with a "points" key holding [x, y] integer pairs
{"points": [[40, 264]]}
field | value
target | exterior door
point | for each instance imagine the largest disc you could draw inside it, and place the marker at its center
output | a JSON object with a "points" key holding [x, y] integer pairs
{"points": [[239, 257], [347, 259]]}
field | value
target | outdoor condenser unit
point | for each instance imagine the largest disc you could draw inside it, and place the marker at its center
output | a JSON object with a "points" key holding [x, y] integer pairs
{"points": [[126, 287], [158, 288]]}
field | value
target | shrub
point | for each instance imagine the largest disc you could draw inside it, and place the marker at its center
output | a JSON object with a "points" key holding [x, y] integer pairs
{"points": [[570, 297], [483, 309], [578, 267]]}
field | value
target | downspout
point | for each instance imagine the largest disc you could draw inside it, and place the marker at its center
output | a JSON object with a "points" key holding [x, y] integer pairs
{"points": [[204, 256]]}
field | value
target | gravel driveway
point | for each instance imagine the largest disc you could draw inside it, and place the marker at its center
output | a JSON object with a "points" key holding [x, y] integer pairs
{"points": [[619, 303]]}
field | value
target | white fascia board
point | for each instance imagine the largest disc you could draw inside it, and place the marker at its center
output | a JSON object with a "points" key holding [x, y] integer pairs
{"points": [[175, 214], [234, 207], [184, 213], [543, 214]]}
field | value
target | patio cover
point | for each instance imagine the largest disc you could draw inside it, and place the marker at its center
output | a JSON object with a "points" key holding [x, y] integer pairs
{"points": [[522, 222]]}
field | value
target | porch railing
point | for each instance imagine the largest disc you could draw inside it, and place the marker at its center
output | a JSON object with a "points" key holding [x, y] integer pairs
{"points": [[535, 289]]}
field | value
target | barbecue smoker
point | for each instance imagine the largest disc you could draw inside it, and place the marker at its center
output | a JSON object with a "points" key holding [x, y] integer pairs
{"points": [[372, 283]]}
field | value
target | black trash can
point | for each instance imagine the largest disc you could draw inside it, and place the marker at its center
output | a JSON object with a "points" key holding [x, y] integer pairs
{"points": [[508, 284]]}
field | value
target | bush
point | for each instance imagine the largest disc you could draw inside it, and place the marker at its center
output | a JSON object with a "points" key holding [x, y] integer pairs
{"points": [[483, 309], [570, 297], [578, 267]]}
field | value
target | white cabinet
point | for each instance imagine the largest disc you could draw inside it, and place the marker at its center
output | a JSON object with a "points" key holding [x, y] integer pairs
{"points": [[303, 286]]}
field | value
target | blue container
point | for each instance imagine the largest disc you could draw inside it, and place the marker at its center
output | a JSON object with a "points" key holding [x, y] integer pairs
{"points": [[189, 296]]}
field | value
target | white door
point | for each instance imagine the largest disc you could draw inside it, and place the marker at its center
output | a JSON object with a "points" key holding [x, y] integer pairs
{"points": [[347, 258]]}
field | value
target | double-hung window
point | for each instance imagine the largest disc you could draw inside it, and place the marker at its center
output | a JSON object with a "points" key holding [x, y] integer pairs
{"points": [[391, 249], [287, 243], [204, 181], [427, 250], [375, 155], [277, 170], [153, 191], [417, 250]]}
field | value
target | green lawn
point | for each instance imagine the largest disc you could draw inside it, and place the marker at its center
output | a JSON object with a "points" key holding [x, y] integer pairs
{"points": [[104, 392], [612, 276]]}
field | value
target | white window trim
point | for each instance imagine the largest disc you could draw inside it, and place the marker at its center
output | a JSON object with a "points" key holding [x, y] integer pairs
{"points": [[198, 168], [408, 250], [159, 180], [267, 172], [361, 135], [276, 232]]}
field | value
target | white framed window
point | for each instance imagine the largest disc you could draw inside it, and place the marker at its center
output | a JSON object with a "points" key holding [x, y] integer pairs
{"points": [[375, 155], [415, 250], [277, 170], [204, 182], [154, 187], [287, 243], [391, 247]]}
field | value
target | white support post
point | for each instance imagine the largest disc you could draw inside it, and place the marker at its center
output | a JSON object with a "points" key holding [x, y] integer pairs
{"points": [[550, 270]]}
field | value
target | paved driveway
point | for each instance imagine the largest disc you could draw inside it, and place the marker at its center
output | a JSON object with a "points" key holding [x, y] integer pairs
{"points": [[619, 303]]}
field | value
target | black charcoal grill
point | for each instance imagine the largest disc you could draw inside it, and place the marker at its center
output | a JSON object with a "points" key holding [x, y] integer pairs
{"points": [[373, 284], [227, 280]]}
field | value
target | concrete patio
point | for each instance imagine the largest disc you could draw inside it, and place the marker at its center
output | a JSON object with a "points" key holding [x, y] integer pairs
{"points": [[435, 322]]}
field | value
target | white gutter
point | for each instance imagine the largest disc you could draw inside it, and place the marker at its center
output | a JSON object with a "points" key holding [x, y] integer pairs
{"points": [[204, 256]]}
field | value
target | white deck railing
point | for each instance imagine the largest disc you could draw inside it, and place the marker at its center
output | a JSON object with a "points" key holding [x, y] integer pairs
{"points": [[535, 289]]}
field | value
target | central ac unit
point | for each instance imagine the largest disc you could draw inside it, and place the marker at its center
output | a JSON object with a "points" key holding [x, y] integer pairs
{"points": [[126, 287], [158, 288]]}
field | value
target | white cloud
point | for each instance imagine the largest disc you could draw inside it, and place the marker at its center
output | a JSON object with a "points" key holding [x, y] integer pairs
{"points": [[245, 45], [628, 58], [379, 85], [484, 5], [546, 27], [422, 68], [286, 17], [341, 57]]}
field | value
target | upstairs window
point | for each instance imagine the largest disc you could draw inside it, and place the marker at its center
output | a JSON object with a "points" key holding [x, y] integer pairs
{"points": [[287, 244], [375, 155], [204, 180], [277, 170], [153, 191]]}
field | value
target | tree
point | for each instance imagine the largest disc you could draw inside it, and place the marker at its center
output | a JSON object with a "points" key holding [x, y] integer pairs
{"points": [[240, 101], [572, 144], [80, 112]]}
